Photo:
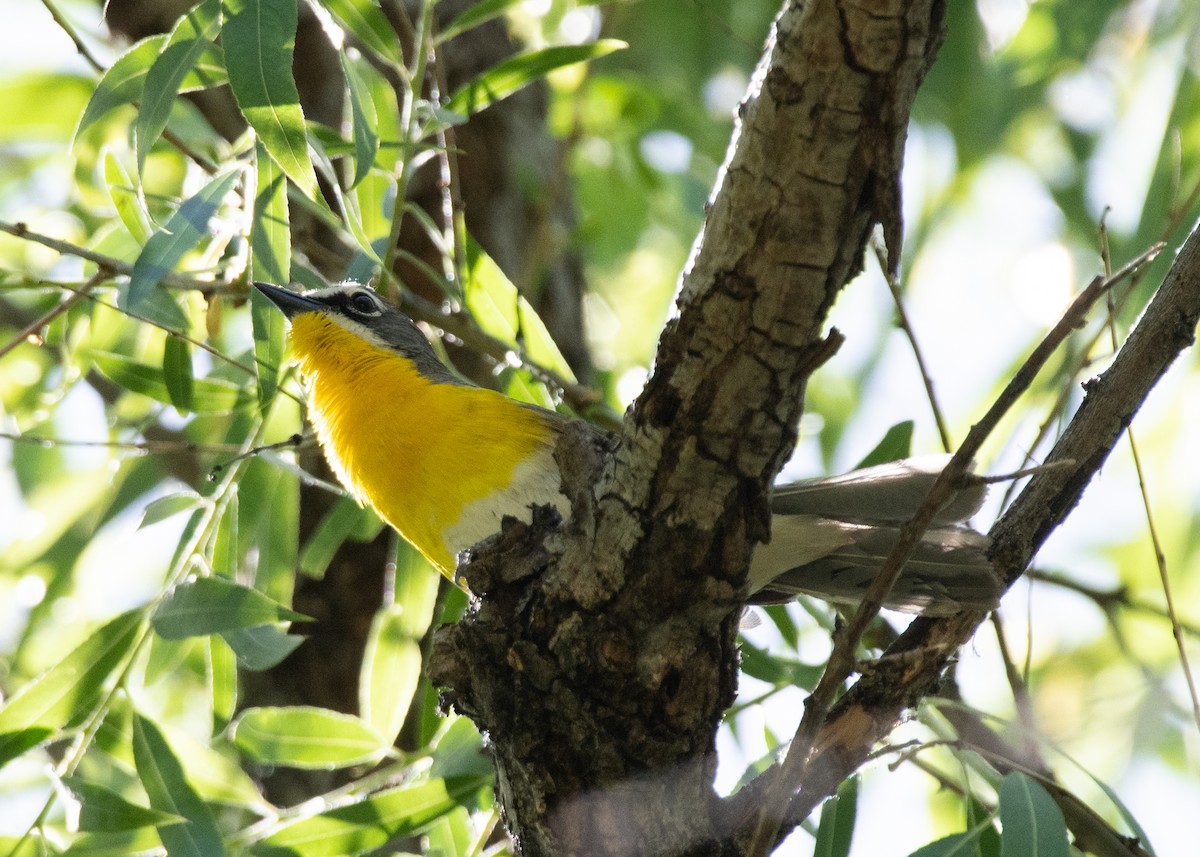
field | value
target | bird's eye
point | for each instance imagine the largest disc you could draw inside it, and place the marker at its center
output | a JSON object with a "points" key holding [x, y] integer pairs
{"points": [[363, 303]]}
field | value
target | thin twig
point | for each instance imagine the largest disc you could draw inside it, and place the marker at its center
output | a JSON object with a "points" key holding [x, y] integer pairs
{"points": [[842, 662], [41, 321], [905, 325], [1160, 557]]}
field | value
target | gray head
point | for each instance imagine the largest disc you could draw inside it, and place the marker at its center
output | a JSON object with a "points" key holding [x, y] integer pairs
{"points": [[362, 312]]}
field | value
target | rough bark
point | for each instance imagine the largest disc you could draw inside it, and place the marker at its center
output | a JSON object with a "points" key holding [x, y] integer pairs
{"points": [[600, 679]]}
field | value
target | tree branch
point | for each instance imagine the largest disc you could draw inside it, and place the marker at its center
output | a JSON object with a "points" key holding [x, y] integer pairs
{"points": [[912, 665]]}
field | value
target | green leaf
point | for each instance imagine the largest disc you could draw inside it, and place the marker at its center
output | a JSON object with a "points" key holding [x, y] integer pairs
{"points": [[211, 605], [259, 38], [836, 828], [209, 395], [65, 694], [103, 810], [895, 445], [391, 672], [366, 21], [169, 791], [343, 518], [517, 72], [184, 230], [222, 675], [306, 737], [473, 16], [363, 121], [165, 507], [177, 372], [271, 261], [124, 80], [126, 199], [262, 646], [954, 845], [1031, 823], [500, 311], [460, 755], [368, 824], [191, 37]]}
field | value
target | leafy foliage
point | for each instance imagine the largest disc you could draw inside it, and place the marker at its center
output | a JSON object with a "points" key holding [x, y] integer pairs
{"points": [[146, 555]]}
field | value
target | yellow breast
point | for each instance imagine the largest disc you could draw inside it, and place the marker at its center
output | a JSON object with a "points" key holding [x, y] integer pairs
{"points": [[439, 462]]}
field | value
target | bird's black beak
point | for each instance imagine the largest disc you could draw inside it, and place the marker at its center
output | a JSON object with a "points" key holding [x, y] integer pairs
{"points": [[289, 303]]}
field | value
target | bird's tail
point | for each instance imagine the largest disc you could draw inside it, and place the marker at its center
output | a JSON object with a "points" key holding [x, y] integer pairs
{"points": [[831, 535]]}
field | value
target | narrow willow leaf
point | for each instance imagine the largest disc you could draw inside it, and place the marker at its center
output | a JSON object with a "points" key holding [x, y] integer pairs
{"points": [[222, 680], [363, 121], [342, 519], [500, 310], [836, 828], [391, 672], [177, 373], [954, 845], [172, 504], [262, 646], [306, 737], [895, 444], [209, 395], [368, 824], [210, 605], [1031, 823], [460, 755], [123, 81], [187, 42], [473, 16], [366, 21], [66, 693], [271, 261], [184, 230], [126, 199], [259, 38], [517, 72], [169, 791], [102, 809]]}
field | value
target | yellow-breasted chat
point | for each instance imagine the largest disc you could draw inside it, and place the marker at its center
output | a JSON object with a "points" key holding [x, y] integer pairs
{"points": [[443, 461]]}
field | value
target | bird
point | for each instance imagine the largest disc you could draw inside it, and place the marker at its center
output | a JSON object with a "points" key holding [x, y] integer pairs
{"points": [[444, 461]]}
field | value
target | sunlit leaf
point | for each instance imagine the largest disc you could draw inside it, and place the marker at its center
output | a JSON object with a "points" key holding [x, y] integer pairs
{"points": [[165, 507], [103, 810], [517, 72], [391, 671], [191, 37], [66, 693], [499, 309], [366, 21], [369, 823], [163, 778], [126, 199], [473, 16], [177, 373], [183, 231], [306, 737], [210, 605], [209, 395], [259, 38]]}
